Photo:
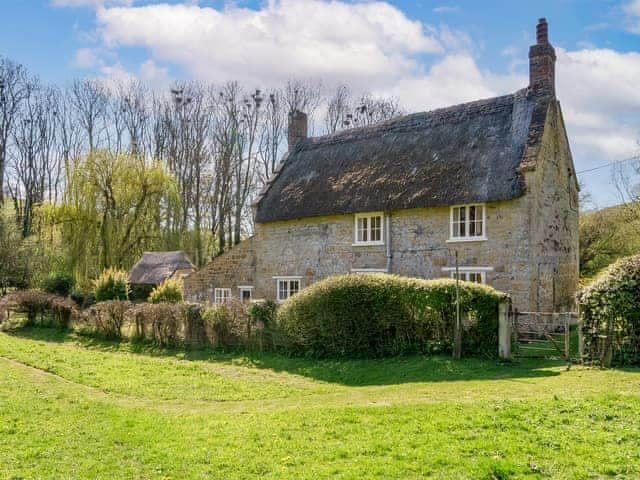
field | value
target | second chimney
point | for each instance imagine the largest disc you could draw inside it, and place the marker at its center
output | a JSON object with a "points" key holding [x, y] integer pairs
{"points": [[542, 62], [297, 128]]}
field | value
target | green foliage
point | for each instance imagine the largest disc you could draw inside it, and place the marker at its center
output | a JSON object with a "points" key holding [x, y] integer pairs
{"points": [[111, 211], [379, 315], [140, 291], [112, 284], [610, 314], [169, 291], [83, 299], [16, 269], [605, 236], [58, 283]]}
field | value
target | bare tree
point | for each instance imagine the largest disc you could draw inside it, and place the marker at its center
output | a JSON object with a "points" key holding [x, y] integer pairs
{"points": [[273, 130], [13, 92], [90, 99]]}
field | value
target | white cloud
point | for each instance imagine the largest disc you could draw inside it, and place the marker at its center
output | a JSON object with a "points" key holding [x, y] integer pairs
{"points": [[632, 10], [85, 58], [446, 9], [361, 43]]}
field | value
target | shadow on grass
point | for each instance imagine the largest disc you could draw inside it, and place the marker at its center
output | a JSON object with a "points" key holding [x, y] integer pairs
{"points": [[348, 372]]}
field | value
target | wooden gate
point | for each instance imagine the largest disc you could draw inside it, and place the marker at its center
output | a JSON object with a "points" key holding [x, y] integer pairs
{"points": [[543, 334]]}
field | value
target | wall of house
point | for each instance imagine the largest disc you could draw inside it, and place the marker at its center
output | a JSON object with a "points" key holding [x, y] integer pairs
{"points": [[319, 247], [554, 219]]}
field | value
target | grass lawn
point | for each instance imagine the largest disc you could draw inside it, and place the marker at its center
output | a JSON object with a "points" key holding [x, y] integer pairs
{"points": [[76, 408]]}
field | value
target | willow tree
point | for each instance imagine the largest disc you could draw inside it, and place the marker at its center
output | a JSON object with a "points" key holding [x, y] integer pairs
{"points": [[112, 210]]}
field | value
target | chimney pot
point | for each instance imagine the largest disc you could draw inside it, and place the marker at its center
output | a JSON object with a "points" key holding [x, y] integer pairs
{"points": [[297, 129], [542, 61]]}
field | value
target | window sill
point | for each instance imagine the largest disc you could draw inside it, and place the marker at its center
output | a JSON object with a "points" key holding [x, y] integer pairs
{"points": [[466, 239], [366, 244]]}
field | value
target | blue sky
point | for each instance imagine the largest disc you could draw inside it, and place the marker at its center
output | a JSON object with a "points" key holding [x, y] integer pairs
{"points": [[428, 54]]}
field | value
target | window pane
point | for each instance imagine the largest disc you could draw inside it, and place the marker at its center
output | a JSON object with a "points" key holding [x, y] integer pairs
{"points": [[376, 229], [294, 286], [282, 290], [456, 214]]}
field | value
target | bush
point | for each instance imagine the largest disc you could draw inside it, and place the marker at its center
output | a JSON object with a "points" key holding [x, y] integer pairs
{"points": [[112, 284], [58, 283], [83, 299], [610, 314], [159, 322], [107, 318], [41, 308], [362, 315], [228, 324], [169, 291], [139, 292]]}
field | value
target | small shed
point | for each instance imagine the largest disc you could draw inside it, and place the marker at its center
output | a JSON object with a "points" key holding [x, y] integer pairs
{"points": [[156, 267]]}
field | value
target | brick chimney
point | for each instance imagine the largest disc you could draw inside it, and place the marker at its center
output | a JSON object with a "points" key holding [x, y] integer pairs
{"points": [[542, 62], [297, 128]]}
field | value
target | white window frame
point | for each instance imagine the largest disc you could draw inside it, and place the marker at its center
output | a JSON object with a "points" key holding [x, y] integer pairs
{"points": [[467, 237], [369, 270], [467, 270], [245, 288], [288, 279], [368, 216], [225, 295]]}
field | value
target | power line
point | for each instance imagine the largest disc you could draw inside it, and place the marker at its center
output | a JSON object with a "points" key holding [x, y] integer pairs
{"points": [[609, 164]]}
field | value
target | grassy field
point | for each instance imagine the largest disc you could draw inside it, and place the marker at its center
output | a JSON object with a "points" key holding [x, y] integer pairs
{"points": [[75, 408]]}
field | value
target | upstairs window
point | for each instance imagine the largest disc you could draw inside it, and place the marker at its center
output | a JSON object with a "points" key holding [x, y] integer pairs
{"points": [[467, 223], [286, 287], [221, 295], [368, 229]]}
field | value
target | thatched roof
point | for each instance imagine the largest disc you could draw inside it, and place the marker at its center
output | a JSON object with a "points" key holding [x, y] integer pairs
{"points": [[461, 154], [155, 267]]}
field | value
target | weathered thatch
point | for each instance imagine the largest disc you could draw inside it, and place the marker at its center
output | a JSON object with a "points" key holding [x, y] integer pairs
{"points": [[155, 267], [462, 154]]}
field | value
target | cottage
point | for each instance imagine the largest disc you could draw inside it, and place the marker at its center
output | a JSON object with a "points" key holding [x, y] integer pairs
{"points": [[491, 181], [156, 267]]}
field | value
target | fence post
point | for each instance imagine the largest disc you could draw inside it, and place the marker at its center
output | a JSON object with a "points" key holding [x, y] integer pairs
{"points": [[504, 331], [580, 336]]}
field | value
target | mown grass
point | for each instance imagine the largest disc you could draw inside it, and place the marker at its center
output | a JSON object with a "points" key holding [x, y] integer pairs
{"points": [[77, 408]]}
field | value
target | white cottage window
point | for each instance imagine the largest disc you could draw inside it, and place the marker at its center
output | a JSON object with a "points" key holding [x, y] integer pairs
{"points": [[469, 274], [467, 223], [221, 295], [368, 229], [286, 287]]}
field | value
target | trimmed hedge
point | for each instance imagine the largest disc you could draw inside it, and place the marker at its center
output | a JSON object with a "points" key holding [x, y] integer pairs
{"points": [[365, 315], [610, 314]]}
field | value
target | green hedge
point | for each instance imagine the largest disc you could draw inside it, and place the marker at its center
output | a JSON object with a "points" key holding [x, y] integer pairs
{"points": [[363, 315], [610, 314]]}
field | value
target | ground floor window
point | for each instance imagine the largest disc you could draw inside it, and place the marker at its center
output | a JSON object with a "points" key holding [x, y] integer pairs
{"points": [[469, 274], [286, 287], [221, 295], [245, 293]]}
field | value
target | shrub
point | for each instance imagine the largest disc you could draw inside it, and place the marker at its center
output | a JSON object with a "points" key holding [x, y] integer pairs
{"points": [[610, 314], [108, 317], [58, 283], [228, 324], [83, 299], [169, 291], [362, 315], [112, 284], [160, 322], [42, 308], [139, 292]]}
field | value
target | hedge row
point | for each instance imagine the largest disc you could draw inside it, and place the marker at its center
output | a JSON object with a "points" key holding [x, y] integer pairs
{"points": [[610, 315], [363, 315]]}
